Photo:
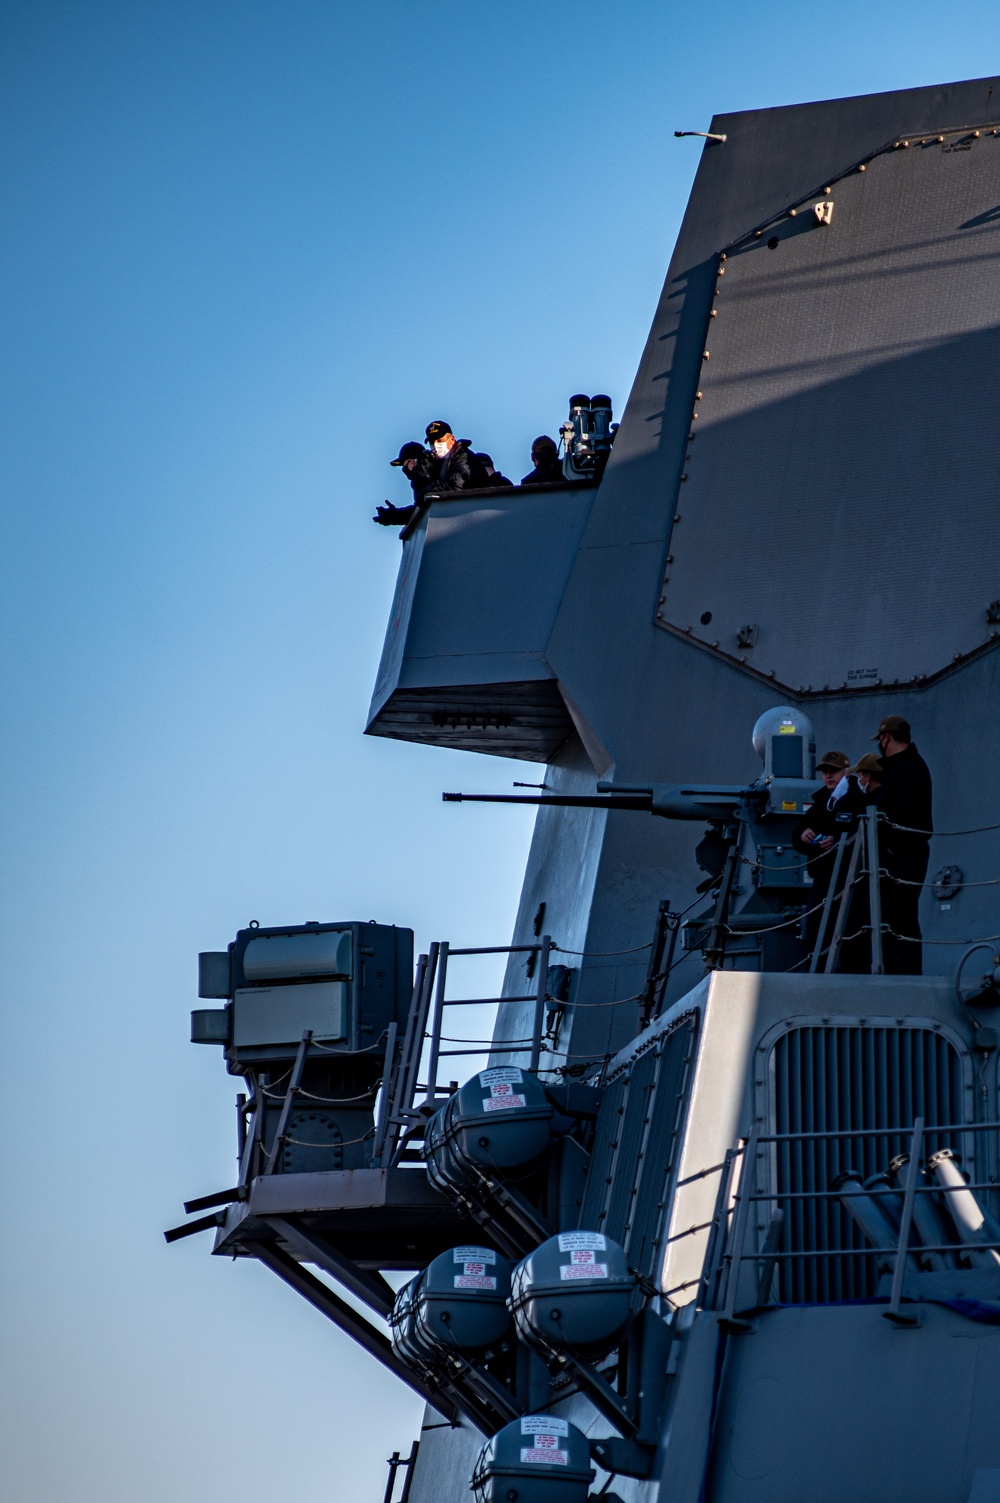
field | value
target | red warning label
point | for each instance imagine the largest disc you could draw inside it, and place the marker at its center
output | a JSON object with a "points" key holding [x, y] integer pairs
{"points": [[502, 1095]]}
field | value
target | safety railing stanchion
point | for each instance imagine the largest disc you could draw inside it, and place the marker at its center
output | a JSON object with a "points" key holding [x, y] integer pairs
{"points": [[874, 890], [289, 1101], [738, 1235], [390, 1485], [833, 954], [831, 893], [409, 1464], [385, 1092], [708, 1288], [540, 994], [253, 1138], [905, 1222], [436, 1023], [408, 1036], [411, 1057], [715, 949]]}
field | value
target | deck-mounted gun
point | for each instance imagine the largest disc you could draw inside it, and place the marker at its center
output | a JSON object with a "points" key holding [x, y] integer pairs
{"points": [[747, 823]]}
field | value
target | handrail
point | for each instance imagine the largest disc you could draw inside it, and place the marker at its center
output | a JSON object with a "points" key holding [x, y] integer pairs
{"points": [[878, 1132], [727, 1251], [898, 1190], [735, 1256], [906, 1220], [425, 1025]]}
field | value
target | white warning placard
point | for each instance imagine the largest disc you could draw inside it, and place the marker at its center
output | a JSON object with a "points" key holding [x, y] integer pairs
{"points": [[543, 1424], [476, 1254], [582, 1241], [502, 1073]]}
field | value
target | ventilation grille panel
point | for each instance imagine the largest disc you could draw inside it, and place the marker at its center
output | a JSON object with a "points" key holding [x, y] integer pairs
{"points": [[842, 1078]]}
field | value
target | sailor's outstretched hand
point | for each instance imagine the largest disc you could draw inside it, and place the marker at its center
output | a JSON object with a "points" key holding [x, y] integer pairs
{"points": [[388, 515]]}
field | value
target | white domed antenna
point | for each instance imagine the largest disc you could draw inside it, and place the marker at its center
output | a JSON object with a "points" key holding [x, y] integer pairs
{"points": [[784, 740]]}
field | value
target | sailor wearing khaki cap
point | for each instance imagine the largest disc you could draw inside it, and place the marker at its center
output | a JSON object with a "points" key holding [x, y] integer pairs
{"points": [[813, 829], [869, 771]]}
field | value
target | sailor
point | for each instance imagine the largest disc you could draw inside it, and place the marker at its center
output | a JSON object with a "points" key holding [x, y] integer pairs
{"points": [[420, 468], [904, 843], [459, 468], [495, 477], [546, 461], [833, 811], [870, 773]]}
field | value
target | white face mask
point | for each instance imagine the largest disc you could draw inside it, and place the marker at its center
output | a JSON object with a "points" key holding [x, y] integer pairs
{"points": [[441, 447]]}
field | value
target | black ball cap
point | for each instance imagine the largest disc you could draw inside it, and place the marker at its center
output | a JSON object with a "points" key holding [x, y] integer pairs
{"points": [[438, 429], [409, 451]]}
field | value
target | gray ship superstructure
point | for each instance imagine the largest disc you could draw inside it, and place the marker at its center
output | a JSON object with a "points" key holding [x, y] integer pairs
{"points": [[716, 1220]]}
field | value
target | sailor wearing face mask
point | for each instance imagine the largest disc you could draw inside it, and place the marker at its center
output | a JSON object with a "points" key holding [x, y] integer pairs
{"points": [[459, 468], [420, 469]]}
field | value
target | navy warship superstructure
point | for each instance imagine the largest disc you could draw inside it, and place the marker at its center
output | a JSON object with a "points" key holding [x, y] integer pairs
{"points": [[719, 1216]]}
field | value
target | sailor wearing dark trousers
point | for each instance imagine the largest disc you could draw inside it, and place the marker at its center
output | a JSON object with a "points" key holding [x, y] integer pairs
{"points": [[904, 853]]}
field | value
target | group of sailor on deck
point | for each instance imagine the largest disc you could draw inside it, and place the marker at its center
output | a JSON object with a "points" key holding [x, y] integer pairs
{"points": [[447, 463], [898, 783]]}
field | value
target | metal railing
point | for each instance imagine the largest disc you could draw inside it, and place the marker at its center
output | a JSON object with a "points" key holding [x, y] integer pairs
{"points": [[968, 1235], [851, 847], [396, 1463], [401, 1111]]}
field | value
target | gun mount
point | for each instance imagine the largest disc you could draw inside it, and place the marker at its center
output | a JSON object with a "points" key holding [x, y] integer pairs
{"points": [[747, 824]]}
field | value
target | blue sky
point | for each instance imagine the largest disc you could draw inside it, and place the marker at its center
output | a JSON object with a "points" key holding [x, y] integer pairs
{"points": [[249, 249]]}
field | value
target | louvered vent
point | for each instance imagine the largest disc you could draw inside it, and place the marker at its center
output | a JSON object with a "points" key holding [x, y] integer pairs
{"points": [[635, 1145], [841, 1078]]}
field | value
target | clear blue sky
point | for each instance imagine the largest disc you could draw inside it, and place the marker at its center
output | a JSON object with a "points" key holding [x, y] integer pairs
{"points": [[248, 249]]}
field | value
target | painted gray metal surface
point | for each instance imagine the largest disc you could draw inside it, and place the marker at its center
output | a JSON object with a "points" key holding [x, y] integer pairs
{"points": [[650, 704], [480, 583], [659, 706], [843, 448], [800, 1401], [795, 1419]]}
